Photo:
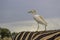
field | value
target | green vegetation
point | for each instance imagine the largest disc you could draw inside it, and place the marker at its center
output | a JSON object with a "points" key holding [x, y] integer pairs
{"points": [[13, 34], [5, 34]]}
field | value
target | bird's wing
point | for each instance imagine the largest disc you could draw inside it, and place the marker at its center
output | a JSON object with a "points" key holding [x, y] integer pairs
{"points": [[43, 19]]}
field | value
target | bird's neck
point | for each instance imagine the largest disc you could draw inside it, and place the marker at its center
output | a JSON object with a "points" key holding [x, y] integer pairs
{"points": [[34, 13]]}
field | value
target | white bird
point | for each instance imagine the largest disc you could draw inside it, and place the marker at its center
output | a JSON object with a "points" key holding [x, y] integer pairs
{"points": [[39, 19]]}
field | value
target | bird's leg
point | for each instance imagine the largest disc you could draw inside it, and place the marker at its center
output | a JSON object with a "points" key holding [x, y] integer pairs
{"points": [[45, 27], [37, 27]]}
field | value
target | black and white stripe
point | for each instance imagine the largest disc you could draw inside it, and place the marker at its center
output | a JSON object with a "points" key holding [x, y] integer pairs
{"points": [[48, 35]]}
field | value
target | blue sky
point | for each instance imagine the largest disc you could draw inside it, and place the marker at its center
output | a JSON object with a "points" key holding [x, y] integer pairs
{"points": [[16, 10]]}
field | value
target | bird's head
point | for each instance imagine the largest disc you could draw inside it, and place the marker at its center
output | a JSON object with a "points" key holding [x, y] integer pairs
{"points": [[32, 11]]}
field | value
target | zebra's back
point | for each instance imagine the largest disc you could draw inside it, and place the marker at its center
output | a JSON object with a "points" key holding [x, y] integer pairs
{"points": [[40, 35]]}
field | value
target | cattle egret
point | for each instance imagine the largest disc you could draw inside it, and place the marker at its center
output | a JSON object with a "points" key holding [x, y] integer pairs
{"points": [[39, 19]]}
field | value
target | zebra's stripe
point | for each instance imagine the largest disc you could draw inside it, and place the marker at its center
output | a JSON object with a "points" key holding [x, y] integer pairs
{"points": [[37, 35], [49, 36], [57, 38], [43, 35], [17, 36], [33, 35], [22, 36], [56, 35], [30, 36], [27, 36]]}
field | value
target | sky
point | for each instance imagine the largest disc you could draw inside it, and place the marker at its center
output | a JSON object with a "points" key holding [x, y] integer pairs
{"points": [[16, 10], [12, 11]]}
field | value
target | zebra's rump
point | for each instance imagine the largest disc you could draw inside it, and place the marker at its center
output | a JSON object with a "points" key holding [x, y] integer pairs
{"points": [[39, 35]]}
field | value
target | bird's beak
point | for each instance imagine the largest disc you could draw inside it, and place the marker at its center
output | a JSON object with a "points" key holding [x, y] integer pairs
{"points": [[29, 11]]}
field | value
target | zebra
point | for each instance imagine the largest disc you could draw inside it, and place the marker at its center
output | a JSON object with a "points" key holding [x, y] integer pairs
{"points": [[38, 35]]}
